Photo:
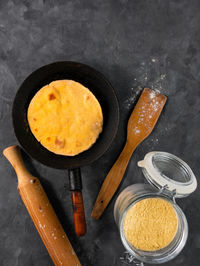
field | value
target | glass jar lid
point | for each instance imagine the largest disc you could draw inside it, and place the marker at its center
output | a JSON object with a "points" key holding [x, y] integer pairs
{"points": [[168, 172]]}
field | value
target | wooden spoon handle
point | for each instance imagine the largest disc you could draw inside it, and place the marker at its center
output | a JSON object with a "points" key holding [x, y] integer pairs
{"points": [[112, 181], [41, 212]]}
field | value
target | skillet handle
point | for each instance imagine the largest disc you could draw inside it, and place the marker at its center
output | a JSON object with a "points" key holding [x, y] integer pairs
{"points": [[75, 185]]}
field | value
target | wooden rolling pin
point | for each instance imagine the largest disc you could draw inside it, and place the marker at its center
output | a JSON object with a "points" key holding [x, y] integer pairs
{"points": [[140, 125], [41, 212]]}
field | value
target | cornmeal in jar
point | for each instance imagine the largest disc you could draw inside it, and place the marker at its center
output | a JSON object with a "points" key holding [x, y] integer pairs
{"points": [[150, 224], [65, 117]]}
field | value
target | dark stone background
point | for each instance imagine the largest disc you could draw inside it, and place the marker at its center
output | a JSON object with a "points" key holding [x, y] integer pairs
{"points": [[134, 43]]}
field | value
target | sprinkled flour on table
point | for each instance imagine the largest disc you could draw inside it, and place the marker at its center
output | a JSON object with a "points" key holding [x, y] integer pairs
{"points": [[149, 75], [131, 99]]}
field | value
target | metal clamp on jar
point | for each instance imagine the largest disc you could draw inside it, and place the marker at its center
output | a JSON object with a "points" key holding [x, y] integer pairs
{"points": [[169, 178]]}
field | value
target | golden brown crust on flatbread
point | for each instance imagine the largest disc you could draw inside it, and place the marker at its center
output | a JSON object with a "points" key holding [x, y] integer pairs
{"points": [[65, 117]]}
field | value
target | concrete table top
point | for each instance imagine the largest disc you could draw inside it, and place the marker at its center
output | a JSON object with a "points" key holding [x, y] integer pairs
{"points": [[135, 44]]}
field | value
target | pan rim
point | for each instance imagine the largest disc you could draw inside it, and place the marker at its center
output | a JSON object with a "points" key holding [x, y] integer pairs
{"points": [[100, 76]]}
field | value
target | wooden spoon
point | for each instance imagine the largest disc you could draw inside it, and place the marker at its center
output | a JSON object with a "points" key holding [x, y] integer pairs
{"points": [[41, 212], [140, 125]]}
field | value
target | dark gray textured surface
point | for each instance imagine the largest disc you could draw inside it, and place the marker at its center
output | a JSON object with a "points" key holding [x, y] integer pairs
{"points": [[134, 44]]}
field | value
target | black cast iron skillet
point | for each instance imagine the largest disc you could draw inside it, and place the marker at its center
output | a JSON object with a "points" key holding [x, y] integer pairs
{"points": [[105, 94]]}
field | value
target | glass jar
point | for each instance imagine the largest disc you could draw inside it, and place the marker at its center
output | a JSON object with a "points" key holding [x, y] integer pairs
{"points": [[169, 178]]}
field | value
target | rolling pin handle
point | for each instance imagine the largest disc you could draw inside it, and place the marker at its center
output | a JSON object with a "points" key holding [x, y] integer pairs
{"points": [[75, 186], [41, 212]]}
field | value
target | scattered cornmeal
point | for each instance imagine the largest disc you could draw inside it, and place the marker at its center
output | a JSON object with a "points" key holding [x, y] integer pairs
{"points": [[65, 117], [151, 224]]}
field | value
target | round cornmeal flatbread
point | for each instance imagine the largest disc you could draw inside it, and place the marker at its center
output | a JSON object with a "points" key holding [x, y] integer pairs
{"points": [[65, 117]]}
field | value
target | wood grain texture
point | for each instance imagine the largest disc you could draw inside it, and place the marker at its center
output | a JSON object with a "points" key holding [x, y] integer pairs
{"points": [[78, 213], [41, 212], [140, 125]]}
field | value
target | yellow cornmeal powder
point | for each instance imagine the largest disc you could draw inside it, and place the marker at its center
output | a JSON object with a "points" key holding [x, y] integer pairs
{"points": [[150, 224]]}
